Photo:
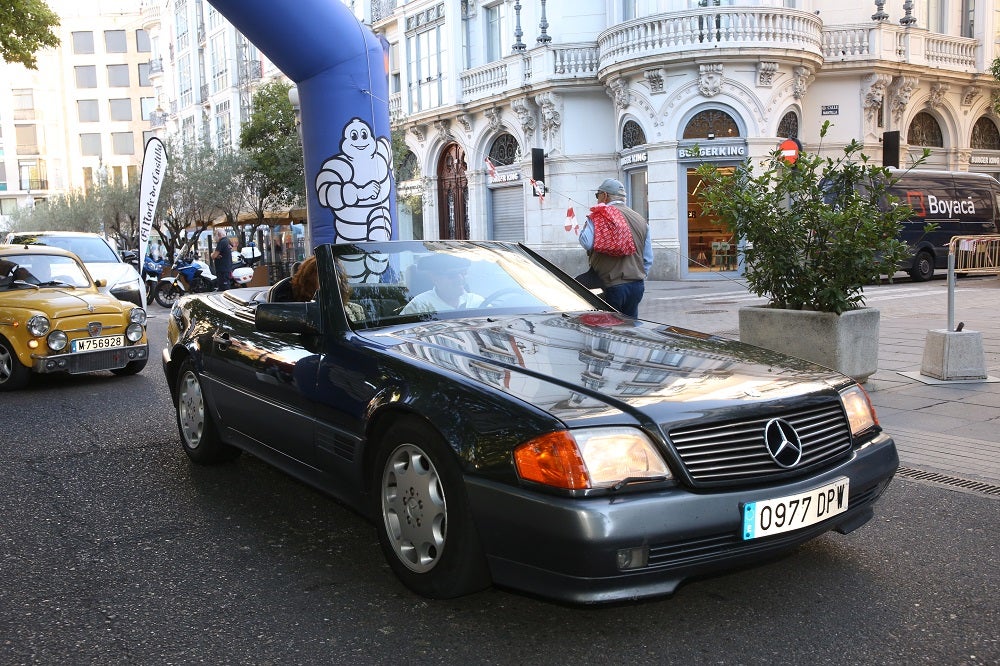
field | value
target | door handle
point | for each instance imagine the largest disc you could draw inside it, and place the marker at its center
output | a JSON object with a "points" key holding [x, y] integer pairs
{"points": [[221, 338]]}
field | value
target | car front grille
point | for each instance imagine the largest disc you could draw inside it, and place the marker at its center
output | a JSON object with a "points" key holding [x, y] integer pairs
{"points": [[735, 452], [106, 359]]}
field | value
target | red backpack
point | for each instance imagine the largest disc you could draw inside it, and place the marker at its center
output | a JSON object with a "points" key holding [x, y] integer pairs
{"points": [[612, 233]]}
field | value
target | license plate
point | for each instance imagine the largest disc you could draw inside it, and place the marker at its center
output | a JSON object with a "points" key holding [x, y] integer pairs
{"points": [[784, 514], [96, 344]]}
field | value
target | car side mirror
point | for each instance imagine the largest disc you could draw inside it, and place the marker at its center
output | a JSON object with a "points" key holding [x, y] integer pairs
{"points": [[288, 318]]}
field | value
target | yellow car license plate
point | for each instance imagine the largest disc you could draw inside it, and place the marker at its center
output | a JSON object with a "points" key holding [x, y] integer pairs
{"points": [[783, 514], [97, 344]]}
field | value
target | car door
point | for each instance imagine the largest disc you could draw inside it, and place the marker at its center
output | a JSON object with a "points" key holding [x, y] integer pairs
{"points": [[262, 386]]}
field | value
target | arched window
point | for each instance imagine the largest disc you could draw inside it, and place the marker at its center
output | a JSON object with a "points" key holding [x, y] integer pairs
{"points": [[504, 150], [788, 128], [711, 124], [925, 131], [632, 135], [985, 135]]}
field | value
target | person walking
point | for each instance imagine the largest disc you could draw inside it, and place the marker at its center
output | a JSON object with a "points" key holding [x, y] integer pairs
{"points": [[222, 258], [622, 271]]}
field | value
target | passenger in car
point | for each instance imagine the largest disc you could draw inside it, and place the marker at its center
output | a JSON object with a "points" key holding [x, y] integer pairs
{"points": [[305, 283]]}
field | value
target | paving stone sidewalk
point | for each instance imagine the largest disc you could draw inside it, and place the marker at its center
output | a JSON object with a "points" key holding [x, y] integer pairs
{"points": [[951, 429]]}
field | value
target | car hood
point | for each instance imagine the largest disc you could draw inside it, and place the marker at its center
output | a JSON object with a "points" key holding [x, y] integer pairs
{"points": [[112, 274], [58, 303], [596, 365]]}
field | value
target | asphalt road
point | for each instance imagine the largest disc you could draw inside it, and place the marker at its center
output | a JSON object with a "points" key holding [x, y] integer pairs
{"points": [[116, 550]]}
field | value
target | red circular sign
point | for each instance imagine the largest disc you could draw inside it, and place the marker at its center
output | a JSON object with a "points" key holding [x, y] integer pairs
{"points": [[790, 149]]}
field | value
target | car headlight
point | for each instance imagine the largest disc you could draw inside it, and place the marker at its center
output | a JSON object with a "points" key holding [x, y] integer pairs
{"points": [[134, 332], [590, 458], [38, 325], [137, 316], [57, 340], [860, 413]]}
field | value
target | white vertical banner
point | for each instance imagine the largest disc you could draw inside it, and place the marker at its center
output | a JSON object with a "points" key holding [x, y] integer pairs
{"points": [[154, 165]]}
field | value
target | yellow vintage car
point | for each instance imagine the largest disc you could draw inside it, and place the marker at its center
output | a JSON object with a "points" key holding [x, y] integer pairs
{"points": [[53, 318]]}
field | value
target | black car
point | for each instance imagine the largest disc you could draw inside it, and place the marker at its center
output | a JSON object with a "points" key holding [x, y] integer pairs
{"points": [[500, 423]]}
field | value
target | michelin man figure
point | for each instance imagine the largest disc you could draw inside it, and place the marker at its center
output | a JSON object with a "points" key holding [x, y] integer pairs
{"points": [[355, 185]]}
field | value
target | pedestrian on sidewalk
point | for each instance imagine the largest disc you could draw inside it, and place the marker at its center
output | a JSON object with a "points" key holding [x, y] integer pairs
{"points": [[223, 259], [620, 265]]}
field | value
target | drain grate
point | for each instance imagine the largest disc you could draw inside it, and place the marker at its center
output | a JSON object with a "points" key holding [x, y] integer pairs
{"points": [[697, 312], [967, 484]]}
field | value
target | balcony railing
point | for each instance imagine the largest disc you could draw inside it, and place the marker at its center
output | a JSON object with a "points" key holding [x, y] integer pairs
{"points": [[914, 46], [33, 184], [155, 66], [382, 9], [680, 35], [550, 63]]}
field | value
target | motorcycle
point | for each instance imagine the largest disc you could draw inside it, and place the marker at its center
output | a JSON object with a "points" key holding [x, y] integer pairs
{"points": [[243, 263], [152, 273], [193, 276]]}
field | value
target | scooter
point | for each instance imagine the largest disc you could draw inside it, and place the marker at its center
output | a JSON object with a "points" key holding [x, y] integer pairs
{"points": [[193, 276], [152, 273], [243, 263]]}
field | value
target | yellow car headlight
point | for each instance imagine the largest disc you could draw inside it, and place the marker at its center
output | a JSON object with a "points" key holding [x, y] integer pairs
{"points": [[57, 340], [38, 325]]}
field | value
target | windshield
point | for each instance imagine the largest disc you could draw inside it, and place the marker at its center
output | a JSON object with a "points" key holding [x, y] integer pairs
{"points": [[414, 281], [90, 249], [42, 270]]}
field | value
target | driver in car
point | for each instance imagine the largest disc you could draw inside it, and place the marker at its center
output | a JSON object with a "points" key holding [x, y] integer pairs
{"points": [[447, 273]]}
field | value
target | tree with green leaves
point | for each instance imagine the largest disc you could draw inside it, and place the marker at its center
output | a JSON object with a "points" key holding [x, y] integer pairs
{"points": [[118, 211], [814, 232], [273, 174], [190, 196], [75, 210], [26, 27]]}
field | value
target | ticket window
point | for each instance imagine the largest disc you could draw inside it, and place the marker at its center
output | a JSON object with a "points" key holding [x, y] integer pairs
{"points": [[711, 246]]}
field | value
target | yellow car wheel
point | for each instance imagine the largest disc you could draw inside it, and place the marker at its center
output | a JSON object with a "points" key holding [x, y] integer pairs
{"points": [[13, 375]]}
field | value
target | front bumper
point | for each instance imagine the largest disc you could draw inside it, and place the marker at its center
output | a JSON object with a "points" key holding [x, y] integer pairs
{"points": [[567, 548], [80, 362]]}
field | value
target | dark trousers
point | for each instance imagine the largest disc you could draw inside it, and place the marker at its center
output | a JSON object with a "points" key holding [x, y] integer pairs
{"points": [[626, 297]]}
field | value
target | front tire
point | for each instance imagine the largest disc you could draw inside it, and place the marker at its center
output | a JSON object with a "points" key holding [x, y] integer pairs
{"points": [[424, 523], [167, 294], [923, 266], [199, 435], [13, 375]]}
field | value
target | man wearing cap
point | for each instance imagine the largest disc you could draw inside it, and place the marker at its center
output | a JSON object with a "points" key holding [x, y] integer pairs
{"points": [[448, 273], [623, 277]]}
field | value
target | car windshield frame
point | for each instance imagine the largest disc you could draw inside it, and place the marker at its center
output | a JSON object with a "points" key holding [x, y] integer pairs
{"points": [[44, 271], [401, 282], [90, 249]]}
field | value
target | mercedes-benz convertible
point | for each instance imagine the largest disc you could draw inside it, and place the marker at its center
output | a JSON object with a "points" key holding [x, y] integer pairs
{"points": [[499, 423]]}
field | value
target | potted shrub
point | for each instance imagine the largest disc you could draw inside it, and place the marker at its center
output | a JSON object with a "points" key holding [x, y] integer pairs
{"points": [[812, 234]]}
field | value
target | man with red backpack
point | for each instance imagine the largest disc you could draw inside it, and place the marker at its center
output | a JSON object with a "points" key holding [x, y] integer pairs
{"points": [[619, 248]]}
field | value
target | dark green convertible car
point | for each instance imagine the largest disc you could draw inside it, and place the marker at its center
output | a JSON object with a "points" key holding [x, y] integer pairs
{"points": [[499, 423]]}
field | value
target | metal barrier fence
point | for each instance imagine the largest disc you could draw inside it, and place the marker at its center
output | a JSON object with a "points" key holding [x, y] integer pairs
{"points": [[975, 255], [970, 255]]}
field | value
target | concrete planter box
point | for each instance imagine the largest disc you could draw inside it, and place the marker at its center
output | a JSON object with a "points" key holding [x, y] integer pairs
{"points": [[847, 342]]}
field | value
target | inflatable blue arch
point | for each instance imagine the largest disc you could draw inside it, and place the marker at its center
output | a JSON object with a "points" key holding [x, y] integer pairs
{"points": [[337, 64]]}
